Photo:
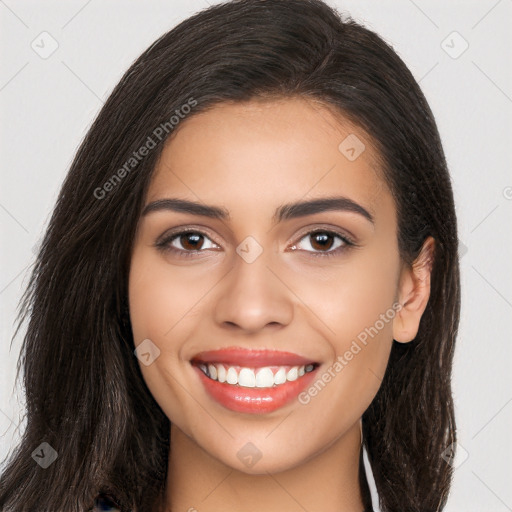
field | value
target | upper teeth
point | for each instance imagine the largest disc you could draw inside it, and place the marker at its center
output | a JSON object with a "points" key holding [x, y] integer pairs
{"points": [[254, 377]]}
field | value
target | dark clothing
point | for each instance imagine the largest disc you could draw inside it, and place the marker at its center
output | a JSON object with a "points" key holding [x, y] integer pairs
{"points": [[105, 504]]}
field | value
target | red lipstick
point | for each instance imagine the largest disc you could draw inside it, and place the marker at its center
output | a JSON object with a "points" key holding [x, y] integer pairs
{"points": [[271, 379], [256, 358]]}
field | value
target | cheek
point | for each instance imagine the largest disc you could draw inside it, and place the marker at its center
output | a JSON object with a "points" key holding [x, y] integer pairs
{"points": [[164, 304], [355, 305], [350, 297], [161, 296]]}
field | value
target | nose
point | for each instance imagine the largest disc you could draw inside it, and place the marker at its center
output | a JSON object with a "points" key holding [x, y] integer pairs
{"points": [[253, 297]]}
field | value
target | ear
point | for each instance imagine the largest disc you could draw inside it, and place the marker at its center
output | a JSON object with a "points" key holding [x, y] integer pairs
{"points": [[413, 293]]}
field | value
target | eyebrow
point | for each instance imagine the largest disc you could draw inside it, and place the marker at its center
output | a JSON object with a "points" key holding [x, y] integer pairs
{"points": [[283, 212]]}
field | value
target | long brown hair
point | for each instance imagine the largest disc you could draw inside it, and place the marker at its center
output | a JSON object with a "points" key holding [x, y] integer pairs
{"points": [[85, 395]]}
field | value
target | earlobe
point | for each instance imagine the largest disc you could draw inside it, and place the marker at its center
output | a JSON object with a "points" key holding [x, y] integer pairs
{"points": [[413, 293]]}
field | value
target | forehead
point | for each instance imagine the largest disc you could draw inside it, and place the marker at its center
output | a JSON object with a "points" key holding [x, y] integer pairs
{"points": [[245, 155]]}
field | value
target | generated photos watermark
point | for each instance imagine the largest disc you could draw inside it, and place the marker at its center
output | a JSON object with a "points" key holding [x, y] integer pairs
{"points": [[158, 134], [343, 360]]}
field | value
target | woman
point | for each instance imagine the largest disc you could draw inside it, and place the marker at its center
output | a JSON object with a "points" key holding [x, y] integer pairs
{"points": [[250, 274]]}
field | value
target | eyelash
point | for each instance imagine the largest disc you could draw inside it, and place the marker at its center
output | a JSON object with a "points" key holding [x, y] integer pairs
{"points": [[164, 245]]}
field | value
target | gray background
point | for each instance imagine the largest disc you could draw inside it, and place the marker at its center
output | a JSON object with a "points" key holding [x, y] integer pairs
{"points": [[49, 101]]}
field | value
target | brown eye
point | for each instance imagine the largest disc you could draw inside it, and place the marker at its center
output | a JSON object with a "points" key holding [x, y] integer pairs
{"points": [[186, 243], [321, 240], [191, 241], [323, 243]]}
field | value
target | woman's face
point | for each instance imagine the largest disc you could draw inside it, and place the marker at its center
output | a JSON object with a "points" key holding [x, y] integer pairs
{"points": [[318, 284]]}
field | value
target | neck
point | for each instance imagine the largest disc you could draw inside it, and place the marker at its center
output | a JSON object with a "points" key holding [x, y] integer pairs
{"points": [[328, 481]]}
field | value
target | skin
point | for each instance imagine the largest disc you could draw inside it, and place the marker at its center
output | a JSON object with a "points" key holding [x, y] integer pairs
{"points": [[250, 158]]}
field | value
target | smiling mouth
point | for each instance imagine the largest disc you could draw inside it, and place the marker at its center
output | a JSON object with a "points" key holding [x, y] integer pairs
{"points": [[254, 381], [250, 377]]}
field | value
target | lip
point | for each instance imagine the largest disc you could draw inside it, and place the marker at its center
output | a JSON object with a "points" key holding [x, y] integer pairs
{"points": [[254, 400], [251, 358]]}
